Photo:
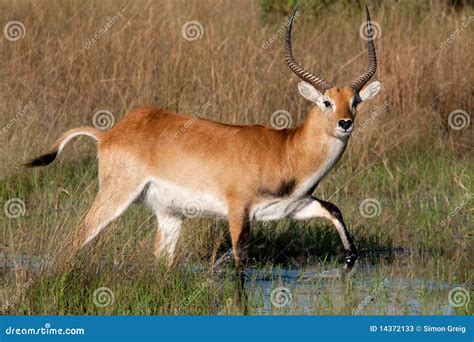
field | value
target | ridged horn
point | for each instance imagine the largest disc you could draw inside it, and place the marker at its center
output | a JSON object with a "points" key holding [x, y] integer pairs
{"points": [[306, 76], [358, 83]]}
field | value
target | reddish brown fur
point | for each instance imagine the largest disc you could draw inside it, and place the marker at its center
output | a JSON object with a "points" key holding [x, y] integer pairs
{"points": [[241, 164], [213, 155]]}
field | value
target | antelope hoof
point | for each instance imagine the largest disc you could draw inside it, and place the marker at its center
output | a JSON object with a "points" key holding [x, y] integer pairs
{"points": [[350, 258]]}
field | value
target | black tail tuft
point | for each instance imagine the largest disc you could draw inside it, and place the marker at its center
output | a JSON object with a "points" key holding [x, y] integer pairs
{"points": [[45, 159]]}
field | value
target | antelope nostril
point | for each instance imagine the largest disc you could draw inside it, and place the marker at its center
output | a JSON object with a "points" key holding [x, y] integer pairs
{"points": [[345, 124]]}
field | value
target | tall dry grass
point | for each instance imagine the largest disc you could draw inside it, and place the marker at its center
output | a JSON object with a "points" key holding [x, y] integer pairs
{"points": [[238, 74], [143, 59]]}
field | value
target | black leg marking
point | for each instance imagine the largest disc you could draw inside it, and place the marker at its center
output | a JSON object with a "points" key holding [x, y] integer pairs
{"points": [[351, 254]]}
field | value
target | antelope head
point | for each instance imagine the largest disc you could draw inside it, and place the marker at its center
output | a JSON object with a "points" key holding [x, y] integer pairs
{"points": [[338, 105]]}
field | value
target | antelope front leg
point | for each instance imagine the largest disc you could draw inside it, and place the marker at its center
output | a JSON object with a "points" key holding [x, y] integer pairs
{"points": [[312, 208], [239, 226]]}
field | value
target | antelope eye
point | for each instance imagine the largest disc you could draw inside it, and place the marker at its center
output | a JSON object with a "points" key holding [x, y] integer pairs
{"points": [[327, 104]]}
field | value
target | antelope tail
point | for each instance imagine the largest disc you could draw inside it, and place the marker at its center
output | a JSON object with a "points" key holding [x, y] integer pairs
{"points": [[58, 146]]}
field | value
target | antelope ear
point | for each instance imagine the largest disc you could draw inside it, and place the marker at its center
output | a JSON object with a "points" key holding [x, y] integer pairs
{"points": [[310, 93], [370, 91]]}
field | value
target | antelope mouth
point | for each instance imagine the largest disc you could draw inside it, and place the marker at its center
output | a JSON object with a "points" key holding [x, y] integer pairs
{"points": [[344, 132]]}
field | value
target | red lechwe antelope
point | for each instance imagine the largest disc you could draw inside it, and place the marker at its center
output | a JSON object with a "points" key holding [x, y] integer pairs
{"points": [[243, 173]]}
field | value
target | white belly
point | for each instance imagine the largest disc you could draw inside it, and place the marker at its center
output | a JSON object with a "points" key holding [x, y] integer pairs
{"points": [[273, 210], [169, 197]]}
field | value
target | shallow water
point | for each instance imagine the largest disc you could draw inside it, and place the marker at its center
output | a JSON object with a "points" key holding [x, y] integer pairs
{"points": [[305, 286], [297, 291]]}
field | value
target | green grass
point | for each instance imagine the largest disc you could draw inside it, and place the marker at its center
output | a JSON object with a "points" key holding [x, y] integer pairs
{"points": [[416, 190]]}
